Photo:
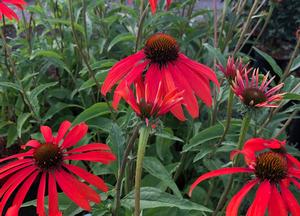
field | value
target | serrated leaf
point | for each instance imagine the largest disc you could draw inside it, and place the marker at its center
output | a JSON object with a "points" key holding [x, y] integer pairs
{"points": [[119, 38], [157, 169], [154, 198], [271, 61], [94, 111], [21, 120]]}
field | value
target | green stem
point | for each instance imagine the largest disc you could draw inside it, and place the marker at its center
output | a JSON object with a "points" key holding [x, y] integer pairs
{"points": [[139, 36], [243, 132], [144, 135], [228, 116]]}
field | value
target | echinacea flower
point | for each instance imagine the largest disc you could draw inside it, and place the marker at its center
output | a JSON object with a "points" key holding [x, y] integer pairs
{"points": [[161, 62], [150, 103], [232, 67], [8, 12], [272, 170], [253, 94], [47, 163]]}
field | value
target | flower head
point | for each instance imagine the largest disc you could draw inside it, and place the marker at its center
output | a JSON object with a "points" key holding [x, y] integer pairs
{"points": [[47, 162], [153, 4], [9, 13], [254, 95], [149, 104], [272, 169], [161, 62], [232, 67]]}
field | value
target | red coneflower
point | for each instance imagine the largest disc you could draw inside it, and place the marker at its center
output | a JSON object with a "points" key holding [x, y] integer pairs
{"points": [[232, 67], [9, 13], [148, 103], [153, 4], [161, 62], [273, 170], [253, 95], [47, 163]]}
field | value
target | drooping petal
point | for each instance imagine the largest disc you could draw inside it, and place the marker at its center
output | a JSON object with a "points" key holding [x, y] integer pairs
{"points": [[276, 204], [6, 11], [20, 196], [40, 209], [53, 196], [13, 164], [290, 201], [47, 133], [293, 160], [72, 192], [16, 168], [75, 135], [153, 5], [21, 155], [63, 128], [233, 206], [88, 177], [222, 171], [261, 201]]}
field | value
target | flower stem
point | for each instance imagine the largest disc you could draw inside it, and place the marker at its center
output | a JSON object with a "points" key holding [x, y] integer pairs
{"points": [[243, 132], [129, 147], [228, 116], [144, 135], [143, 13]]}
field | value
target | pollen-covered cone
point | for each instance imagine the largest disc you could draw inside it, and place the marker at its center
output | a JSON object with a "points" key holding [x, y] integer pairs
{"points": [[48, 164], [6, 11], [161, 62]]}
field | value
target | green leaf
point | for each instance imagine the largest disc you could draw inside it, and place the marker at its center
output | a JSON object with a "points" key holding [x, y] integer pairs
{"points": [[157, 169], [169, 136], [209, 134], [94, 111], [47, 54], [215, 52], [271, 61], [120, 38], [11, 85], [21, 120], [154, 198], [117, 142], [56, 108], [296, 63], [291, 96], [11, 135]]}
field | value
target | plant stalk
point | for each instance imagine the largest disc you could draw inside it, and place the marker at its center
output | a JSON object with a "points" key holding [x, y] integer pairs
{"points": [[144, 135]]}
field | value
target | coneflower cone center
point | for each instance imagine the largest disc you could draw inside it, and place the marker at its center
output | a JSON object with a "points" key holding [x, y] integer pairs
{"points": [[48, 156], [161, 48], [271, 166], [253, 96]]}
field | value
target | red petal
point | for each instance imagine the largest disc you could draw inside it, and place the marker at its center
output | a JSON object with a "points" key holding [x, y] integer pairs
{"points": [[31, 143], [102, 157], [293, 160], [169, 86], [75, 135], [189, 97], [11, 184], [52, 196], [21, 155], [40, 209], [90, 147], [153, 78], [120, 69], [233, 206], [6, 11], [68, 187], [261, 201], [296, 183], [153, 5], [20, 196], [16, 169], [47, 134], [14, 164], [63, 128], [222, 171], [88, 177], [290, 201], [276, 204]]}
